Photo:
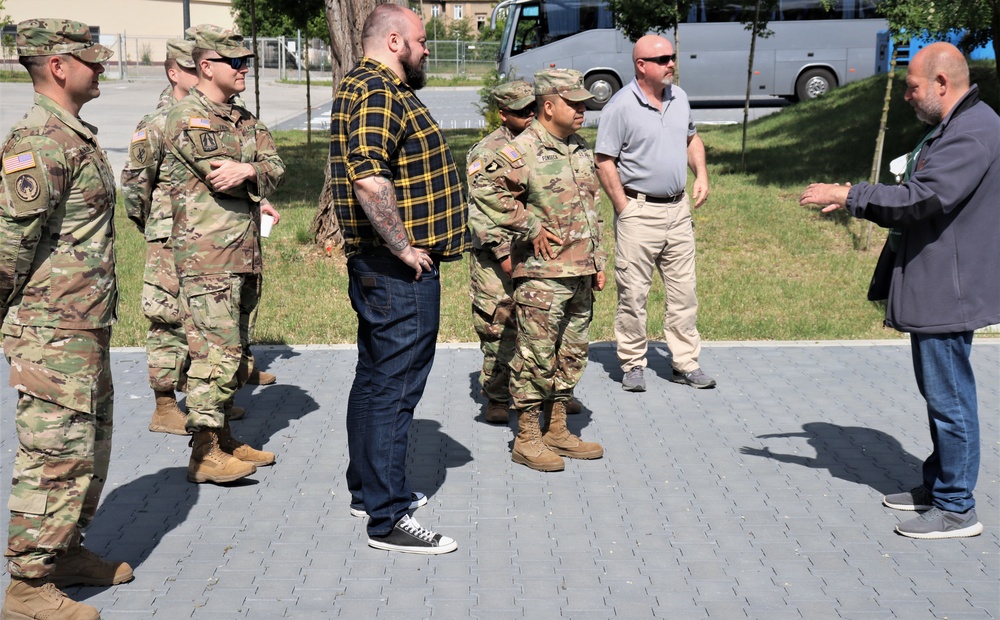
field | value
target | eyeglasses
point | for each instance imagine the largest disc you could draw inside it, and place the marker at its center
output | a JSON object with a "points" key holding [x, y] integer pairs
{"points": [[523, 112], [661, 60], [235, 63]]}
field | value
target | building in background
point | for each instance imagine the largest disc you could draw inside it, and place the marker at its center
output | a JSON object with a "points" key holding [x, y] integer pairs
{"points": [[477, 14], [145, 24]]}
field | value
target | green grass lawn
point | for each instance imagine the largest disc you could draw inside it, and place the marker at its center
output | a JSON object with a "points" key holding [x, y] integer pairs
{"points": [[767, 268]]}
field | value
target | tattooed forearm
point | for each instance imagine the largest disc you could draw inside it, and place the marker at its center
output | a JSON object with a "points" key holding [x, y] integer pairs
{"points": [[378, 200]]}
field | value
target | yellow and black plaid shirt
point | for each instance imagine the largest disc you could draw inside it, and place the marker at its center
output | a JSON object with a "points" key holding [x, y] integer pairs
{"points": [[379, 126]]}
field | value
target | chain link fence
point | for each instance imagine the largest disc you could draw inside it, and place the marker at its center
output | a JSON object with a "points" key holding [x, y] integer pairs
{"points": [[141, 57]]}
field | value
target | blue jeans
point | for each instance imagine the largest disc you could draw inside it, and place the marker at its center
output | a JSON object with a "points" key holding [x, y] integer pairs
{"points": [[398, 320], [944, 377]]}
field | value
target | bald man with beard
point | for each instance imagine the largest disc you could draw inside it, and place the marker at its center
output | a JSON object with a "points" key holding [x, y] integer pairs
{"points": [[938, 275]]}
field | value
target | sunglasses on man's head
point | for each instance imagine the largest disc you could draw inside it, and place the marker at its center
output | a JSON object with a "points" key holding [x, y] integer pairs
{"points": [[522, 113], [235, 63], [661, 60]]}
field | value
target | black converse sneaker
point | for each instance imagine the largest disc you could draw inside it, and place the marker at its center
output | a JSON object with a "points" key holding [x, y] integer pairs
{"points": [[407, 536]]}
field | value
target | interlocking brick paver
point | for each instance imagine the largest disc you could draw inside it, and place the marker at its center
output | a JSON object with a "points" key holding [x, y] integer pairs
{"points": [[758, 499]]}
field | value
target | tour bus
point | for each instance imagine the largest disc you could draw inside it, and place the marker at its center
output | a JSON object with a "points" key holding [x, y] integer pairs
{"points": [[812, 49]]}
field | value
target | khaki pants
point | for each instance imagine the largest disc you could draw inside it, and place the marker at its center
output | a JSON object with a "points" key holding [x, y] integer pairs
{"points": [[660, 235]]}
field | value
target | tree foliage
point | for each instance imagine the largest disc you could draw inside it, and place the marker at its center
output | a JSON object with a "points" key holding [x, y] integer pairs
{"points": [[637, 17], [979, 20], [277, 18]]}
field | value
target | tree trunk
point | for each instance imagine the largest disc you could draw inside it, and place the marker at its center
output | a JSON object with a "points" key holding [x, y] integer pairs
{"points": [[309, 107], [746, 102], [344, 18], [883, 125]]}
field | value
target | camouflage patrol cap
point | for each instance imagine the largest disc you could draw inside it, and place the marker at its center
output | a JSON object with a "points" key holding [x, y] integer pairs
{"points": [[49, 36], [180, 51], [567, 83], [515, 95], [226, 42]]}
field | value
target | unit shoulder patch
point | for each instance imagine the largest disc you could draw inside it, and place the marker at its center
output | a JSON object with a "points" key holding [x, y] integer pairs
{"points": [[27, 192]]}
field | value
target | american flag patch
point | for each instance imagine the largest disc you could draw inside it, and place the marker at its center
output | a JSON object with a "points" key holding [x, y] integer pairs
{"points": [[475, 167], [196, 122], [18, 162], [139, 135], [510, 153]]}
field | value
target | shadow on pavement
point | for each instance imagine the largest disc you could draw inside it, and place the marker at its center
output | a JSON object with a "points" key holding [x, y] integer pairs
{"points": [[852, 453], [431, 453], [134, 518]]}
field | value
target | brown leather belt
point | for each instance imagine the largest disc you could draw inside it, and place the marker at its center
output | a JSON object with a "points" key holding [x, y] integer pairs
{"points": [[631, 193]]}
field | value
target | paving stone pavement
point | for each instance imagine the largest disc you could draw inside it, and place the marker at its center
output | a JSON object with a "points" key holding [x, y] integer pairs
{"points": [[758, 499]]}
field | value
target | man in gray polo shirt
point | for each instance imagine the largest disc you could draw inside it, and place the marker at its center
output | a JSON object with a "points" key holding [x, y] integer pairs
{"points": [[645, 139]]}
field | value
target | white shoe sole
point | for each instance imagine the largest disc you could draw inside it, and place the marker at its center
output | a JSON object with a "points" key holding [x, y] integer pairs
{"points": [[444, 548], [973, 530]]}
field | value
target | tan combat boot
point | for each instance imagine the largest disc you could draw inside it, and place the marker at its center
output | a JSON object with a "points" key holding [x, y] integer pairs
{"points": [[260, 377], [168, 417], [210, 464], [496, 412], [83, 567], [558, 438], [528, 447], [28, 599], [233, 411], [232, 445]]}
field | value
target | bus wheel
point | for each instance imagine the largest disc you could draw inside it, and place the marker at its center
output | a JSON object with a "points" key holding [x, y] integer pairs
{"points": [[814, 83], [602, 86]]}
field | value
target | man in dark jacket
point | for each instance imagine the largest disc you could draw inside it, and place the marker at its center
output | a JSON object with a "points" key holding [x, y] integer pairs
{"points": [[943, 255]]}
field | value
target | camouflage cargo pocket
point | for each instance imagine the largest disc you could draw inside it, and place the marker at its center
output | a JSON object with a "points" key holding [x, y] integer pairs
{"points": [[159, 306], [533, 298], [210, 300], [65, 390]]}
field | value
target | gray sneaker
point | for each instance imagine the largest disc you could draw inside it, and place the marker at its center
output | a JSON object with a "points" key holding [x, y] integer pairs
{"points": [[917, 498], [696, 379], [937, 523], [633, 381]]}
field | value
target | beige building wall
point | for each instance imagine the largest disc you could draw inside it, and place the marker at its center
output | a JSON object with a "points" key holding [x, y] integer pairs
{"points": [[134, 18]]}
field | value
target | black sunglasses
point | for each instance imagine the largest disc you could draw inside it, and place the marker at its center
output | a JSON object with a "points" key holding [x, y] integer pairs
{"points": [[661, 60], [523, 112], [235, 63]]}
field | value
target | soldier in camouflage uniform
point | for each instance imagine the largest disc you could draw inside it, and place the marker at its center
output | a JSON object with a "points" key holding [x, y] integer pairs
{"points": [[542, 186], [145, 188], [58, 300], [226, 163], [491, 288]]}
